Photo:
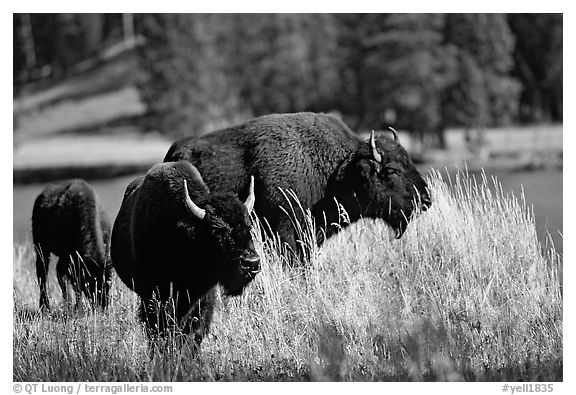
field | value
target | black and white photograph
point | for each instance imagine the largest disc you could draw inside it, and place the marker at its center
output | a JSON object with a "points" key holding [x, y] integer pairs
{"points": [[287, 197]]}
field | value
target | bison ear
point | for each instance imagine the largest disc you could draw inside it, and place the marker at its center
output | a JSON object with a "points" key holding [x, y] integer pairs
{"points": [[366, 168]]}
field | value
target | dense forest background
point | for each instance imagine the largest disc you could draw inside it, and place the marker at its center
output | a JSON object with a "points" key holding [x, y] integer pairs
{"points": [[422, 73]]}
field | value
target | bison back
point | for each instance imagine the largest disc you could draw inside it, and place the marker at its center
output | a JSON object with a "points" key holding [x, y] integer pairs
{"points": [[67, 217], [298, 152]]}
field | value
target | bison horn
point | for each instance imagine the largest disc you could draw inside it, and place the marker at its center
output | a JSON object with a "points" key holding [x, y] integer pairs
{"points": [[394, 132], [375, 153], [193, 208], [249, 203]]}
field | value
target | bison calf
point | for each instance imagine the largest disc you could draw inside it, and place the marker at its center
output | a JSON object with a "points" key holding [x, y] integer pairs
{"points": [[68, 221], [173, 242]]}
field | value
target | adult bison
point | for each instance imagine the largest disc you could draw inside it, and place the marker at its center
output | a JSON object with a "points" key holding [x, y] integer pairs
{"points": [[320, 159], [68, 221], [173, 241]]}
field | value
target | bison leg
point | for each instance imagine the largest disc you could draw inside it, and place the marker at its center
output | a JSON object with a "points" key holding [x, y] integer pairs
{"points": [[195, 318], [178, 320], [298, 249], [159, 321], [149, 313], [288, 234], [61, 273], [42, 265], [103, 291], [76, 278]]}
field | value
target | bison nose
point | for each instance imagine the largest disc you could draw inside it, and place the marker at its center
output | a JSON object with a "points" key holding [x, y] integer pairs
{"points": [[250, 263]]}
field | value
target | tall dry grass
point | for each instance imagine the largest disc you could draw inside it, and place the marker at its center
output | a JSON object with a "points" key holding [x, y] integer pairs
{"points": [[468, 293]]}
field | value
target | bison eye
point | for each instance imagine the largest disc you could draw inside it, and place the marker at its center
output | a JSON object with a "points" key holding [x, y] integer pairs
{"points": [[392, 169]]}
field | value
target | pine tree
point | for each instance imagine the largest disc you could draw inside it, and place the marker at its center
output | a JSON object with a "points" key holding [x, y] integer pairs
{"points": [[538, 58], [484, 88], [398, 64], [185, 85], [284, 62], [207, 71]]}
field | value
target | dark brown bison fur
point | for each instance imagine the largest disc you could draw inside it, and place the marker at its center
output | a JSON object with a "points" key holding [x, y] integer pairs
{"points": [[69, 222], [173, 259], [319, 158]]}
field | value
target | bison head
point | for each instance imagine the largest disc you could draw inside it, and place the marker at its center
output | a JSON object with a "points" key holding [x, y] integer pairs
{"points": [[386, 183], [226, 228]]}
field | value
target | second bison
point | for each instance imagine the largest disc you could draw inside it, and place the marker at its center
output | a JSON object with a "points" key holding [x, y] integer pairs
{"points": [[317, 157], [68, 221], [173, 242]]}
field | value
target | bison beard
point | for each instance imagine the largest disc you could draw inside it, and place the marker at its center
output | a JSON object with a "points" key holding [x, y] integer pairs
{"points": [[68, 221], [173, 242], [317, 157]]}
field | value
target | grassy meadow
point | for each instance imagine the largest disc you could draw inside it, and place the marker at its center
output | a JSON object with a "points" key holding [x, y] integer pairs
{"points": [[468, 293]]}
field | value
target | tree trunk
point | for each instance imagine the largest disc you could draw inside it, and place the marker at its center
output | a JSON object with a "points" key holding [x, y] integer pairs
{"points": [[128, 29], [441, 138], [27, 45]]}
